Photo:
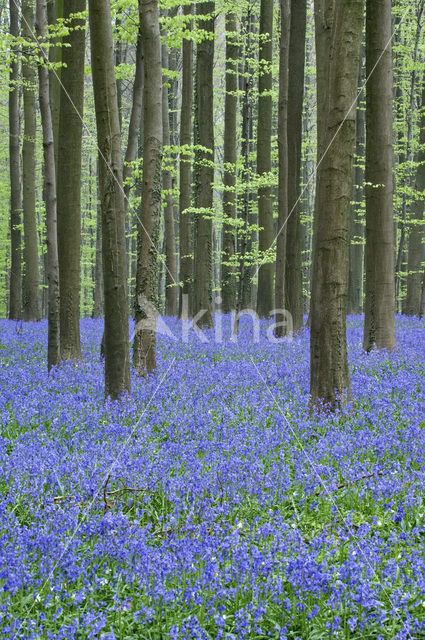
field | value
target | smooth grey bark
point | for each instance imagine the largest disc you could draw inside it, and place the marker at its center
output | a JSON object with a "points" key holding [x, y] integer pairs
{"points": [[379, 326], [282, 142], [204, 168], [98, 271], [54, 13], [144, 348], [171, 289], [329, 375], [69, 180], [294, 232], [228, 276], [53, 338], [15, 283], [116, 335], [185, 170], [355, 276], [265, 296], [416, 252], [31, 297]]}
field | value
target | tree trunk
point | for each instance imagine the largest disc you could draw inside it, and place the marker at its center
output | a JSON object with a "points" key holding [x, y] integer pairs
{"points": [[355, 276], [54, 13], [417, 230], [50, 195], [15, 283], [98, 272], [116, 340], [31, 301], [204, 169], [295, 233], [171, 289], [69, 181], [282, 140], [228, 277], [379, 327], [185, 219], [329, 375], [264, 163], [144, 350]]}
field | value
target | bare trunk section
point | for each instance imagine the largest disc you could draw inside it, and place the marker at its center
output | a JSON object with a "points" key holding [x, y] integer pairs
{"points": [[15, 284], [282, 141], [294, 232], [50, 196], [264, 160], [185, 219], [228, 276], [31, 298], [417, 228], [144, 349], [379, 325], [329, 375], [355, 276], [69, 181], [204, 169], [171, 290], [116, 339], [54, 13], [98, 272]]}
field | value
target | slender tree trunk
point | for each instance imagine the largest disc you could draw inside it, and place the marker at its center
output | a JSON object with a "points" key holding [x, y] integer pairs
{"points": [[185, 219], [245, 237], [119, 58], [15, 283], [204, 169], [116, 339], [355, 276], [98, 271], [69, 181], [416, 253], [31, 298], [171, 290], [144, 350], [329, 375], [228, 277], [282, 140], [295, 233], [422, 309], [54, 13], [50, 195], [379, 325], [264, 162]]}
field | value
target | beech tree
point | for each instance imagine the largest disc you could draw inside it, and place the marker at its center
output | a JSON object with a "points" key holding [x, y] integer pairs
{"points": [[144, 348], [116, 333], [69, 179], [379, 326], [53, 340], [264, 161], [329, 375]]}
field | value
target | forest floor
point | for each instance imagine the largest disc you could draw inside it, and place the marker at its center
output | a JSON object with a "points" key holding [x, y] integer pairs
{"points": [[210, 504]]}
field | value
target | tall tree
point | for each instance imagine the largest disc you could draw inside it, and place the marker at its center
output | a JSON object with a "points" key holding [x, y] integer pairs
{"points": [[228, 278], [355, 276], [31, 301], [416, 253], [379, 326], [144, 349], [329, 375], [264, 159], [116, 338], [294, 233], [171, 291], [285, 19], [204, 167], [69, 179], [50, 193], [15, 284], [186, 260]]}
